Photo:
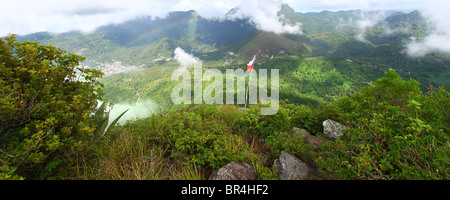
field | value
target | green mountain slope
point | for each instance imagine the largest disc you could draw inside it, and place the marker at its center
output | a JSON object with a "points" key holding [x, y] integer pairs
{"points": [[265, 45], [326, 62]]}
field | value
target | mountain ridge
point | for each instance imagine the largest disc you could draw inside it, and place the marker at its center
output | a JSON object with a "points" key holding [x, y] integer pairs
{"points": [[215, 32], [148, 41]]}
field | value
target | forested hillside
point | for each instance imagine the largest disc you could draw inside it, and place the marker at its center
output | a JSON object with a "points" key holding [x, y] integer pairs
{"points": [[334, 36]]}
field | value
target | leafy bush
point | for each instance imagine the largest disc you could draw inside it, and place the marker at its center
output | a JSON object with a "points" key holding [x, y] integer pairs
{"points": [[310, 118], [45, 103], [253, 122], [196, 134], [395, 133], [291, 143]]}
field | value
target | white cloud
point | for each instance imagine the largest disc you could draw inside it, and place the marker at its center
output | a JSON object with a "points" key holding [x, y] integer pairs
{"points": [[336, 5], [140, 109], [264, 14], [208, 9], [29, 16], [367, 21], [437, 16], [186, 60]]}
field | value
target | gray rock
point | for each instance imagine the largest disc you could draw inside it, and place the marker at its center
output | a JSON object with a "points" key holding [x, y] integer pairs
{"points": [[332, 129], [300, 131], [310, 139], [235, 171], [313, 141], [291, 168]]}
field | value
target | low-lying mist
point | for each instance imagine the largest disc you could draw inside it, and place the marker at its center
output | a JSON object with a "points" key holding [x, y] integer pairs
{"points": [[138, 110]]}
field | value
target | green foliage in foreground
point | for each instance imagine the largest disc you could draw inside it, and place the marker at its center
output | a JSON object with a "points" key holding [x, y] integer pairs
{"points": [[395, 133], [48, 115], [101, 119], [45, 103], [184, 144]]}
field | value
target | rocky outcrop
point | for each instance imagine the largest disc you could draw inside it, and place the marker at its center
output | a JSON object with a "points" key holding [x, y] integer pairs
{"points": [[235, 171], [289, 167], [300, 131], [333, 130], [308, 138]]}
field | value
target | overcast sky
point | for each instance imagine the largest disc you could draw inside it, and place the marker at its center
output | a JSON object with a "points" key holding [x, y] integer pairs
{"points": [[28, 16]]}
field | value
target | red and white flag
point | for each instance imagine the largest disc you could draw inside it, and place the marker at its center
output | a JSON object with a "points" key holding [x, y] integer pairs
{"points": [[251, 64]]}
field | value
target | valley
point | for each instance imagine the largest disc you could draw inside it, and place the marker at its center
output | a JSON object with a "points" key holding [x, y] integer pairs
{"points": [[332, 58], [328, 39]]}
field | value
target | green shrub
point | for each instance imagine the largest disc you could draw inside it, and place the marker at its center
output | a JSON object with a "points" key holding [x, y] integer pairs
{"points": [[292, 143], [251, 121], [196, 134], [310, 118], [8, 173], [45, 103], [263, 172], [395, 133]]}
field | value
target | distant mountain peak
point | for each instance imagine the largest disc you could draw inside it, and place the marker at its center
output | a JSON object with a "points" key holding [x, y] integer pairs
{"points": [[286, 9], [232, 13]]}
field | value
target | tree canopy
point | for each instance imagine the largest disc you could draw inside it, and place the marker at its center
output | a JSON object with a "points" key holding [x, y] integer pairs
{"points": [[45, 104]]}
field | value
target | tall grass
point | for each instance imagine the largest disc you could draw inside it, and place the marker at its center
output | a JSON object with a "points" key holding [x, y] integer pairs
{"points": [[186, 144], [125, 157]]}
